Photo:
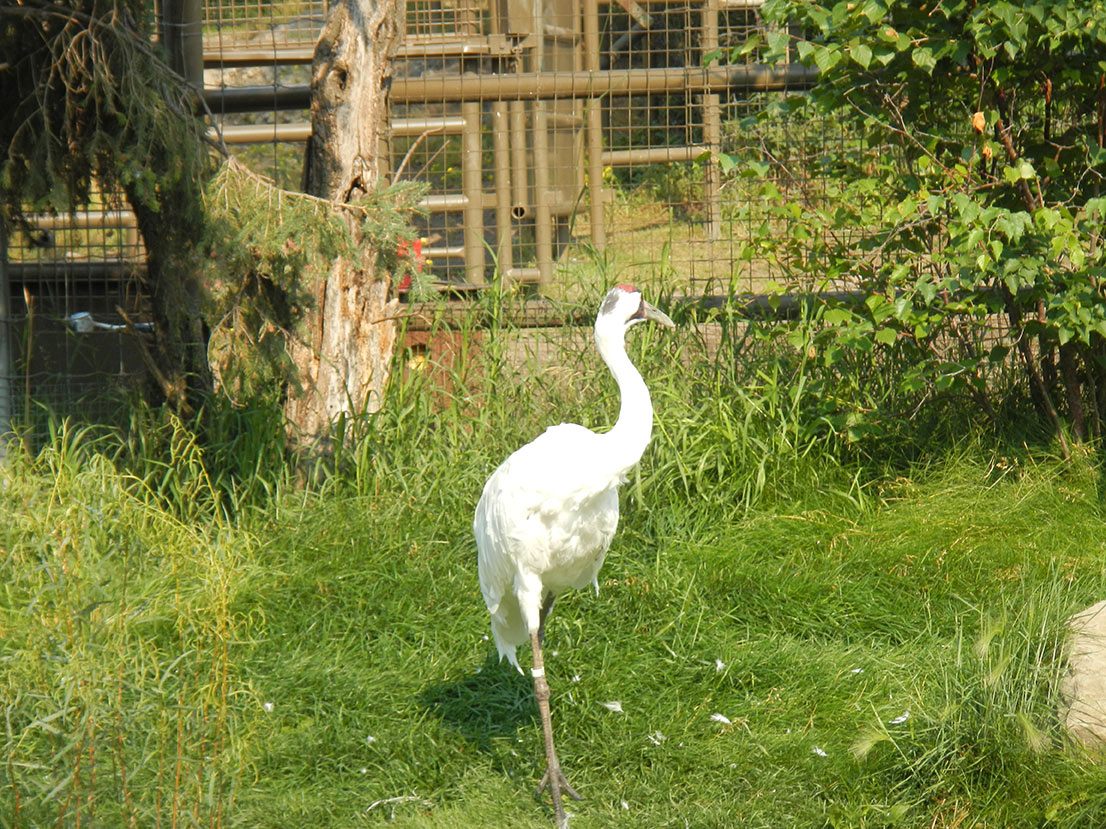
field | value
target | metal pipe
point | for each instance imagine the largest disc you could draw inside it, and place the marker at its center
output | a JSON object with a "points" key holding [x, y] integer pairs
{"points": [[445, 125], [596, 196], [524, 274], [543, 218], [444, 252], [257, 98], [547, 85], [504, 252], [520, 177], [277, 56], [712, 186], [655, 155], [541, 313], [7, 364], [84, 219], [524, 86], [543, 215], [192, 41], [446, 202], [471, 174], [108, 270], [262, 133], [712, 127], [564, 120]]}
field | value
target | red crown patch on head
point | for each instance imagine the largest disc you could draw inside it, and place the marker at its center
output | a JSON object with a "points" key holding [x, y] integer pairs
{"points": [[630, 289]]}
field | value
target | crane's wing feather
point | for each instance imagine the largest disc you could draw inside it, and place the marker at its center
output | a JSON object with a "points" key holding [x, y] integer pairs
{"points": [[543, 524]]}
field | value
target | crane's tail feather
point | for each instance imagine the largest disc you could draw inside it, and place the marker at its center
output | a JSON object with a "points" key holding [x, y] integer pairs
{"points": [[509, 652], [508, 629]]}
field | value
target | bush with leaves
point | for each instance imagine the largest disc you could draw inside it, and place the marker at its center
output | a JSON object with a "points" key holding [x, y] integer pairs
{"points": [[963, 206]]}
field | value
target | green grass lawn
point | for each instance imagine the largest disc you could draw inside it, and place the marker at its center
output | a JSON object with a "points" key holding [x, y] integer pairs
{"points": [[792, 639], [888, 667]]}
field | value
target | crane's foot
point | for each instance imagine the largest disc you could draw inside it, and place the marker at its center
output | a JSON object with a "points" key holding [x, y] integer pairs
{"points": [[554, 780], [557, 778]]}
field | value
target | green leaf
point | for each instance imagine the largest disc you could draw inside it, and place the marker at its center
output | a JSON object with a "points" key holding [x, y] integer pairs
{"points": [[1019, 170], [860, 53], [825, 58], [927, 289], [778, 43], [887, 336], [748, 46], [873, 10], [924, 58], [726, 163]]}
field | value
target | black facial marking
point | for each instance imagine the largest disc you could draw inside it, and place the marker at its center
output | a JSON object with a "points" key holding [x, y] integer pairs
{"points": [[609, 302]]}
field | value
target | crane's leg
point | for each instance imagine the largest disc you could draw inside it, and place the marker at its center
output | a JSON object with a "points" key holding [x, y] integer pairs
{"points": [[546, 606], [554, 778]]}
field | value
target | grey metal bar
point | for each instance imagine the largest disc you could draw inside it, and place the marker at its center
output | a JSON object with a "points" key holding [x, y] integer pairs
{"points": [[263, 133], [504, 253], [655, 155], [257, 98], [55, 269], [471, 174], [436, 125], [542, 313], [594, 129], [520, 177], [711, 104], [192, 41], [7, 366], [525, 86]]}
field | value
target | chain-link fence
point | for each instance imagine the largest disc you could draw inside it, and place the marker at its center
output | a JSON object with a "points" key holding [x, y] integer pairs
{"points": [[549, 135], [545, 132]]}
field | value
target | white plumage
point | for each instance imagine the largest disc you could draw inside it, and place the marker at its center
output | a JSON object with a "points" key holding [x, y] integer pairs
{"points": [[548, 513]]}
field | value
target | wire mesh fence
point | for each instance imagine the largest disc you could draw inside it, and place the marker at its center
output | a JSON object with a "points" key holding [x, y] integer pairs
{"points": [[73, 286], [548, 135], [544, 133]]}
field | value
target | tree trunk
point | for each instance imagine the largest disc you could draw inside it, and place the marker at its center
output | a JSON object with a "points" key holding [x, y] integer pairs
{"points": [[349, 338], [177, 357]]}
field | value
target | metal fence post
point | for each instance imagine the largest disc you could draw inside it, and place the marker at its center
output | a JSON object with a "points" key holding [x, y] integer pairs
{"points": [[594, 128], [6, 368], [712, 125]]}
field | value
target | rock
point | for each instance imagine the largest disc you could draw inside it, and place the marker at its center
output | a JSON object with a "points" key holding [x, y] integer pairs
{"points": [[1083, 688]]}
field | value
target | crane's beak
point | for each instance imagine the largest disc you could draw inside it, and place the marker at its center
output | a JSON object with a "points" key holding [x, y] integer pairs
{"points": [[649, 312]]}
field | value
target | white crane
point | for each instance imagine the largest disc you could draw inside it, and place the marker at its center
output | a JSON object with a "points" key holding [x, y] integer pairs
{"points": [[548, 513]]}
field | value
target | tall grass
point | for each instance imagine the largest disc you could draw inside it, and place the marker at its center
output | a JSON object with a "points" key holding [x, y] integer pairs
{"points": [[121, 703], [197, 630]]}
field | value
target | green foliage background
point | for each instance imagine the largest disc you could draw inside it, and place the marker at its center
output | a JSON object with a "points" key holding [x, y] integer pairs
{"points": [[968, 185]]}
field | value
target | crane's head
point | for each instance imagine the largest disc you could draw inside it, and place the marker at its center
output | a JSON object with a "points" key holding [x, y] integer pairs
{"points": [[622, 307]]}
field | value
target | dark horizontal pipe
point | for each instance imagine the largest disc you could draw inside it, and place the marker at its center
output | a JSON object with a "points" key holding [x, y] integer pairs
{"points": [[776, 306], [257, 98], [790, 306], [535, 86], [585, 84], [47, 270], [541, 313]]}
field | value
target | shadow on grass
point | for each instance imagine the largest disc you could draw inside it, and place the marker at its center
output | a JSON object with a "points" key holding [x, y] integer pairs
{"points": [[490, 703]]}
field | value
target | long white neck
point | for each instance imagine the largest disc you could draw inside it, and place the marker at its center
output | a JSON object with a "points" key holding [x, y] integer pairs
{"points": [[630, 435]]}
